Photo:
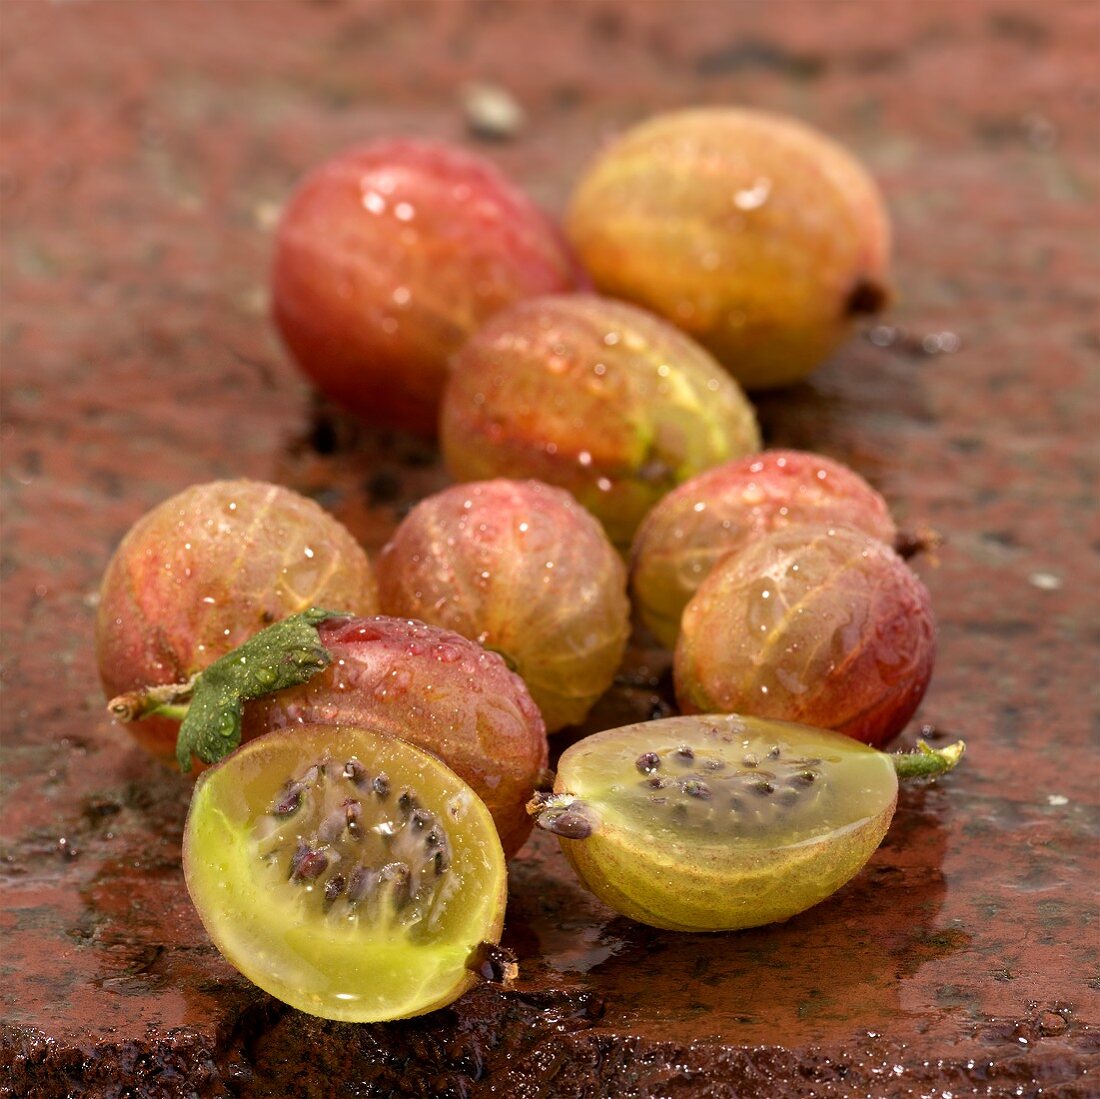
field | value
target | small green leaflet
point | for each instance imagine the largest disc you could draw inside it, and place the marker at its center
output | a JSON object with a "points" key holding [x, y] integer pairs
{"points": [[285, 654]]}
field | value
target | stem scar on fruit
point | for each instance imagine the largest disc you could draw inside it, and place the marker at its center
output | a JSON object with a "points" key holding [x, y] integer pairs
{"points": [[718, 822]]}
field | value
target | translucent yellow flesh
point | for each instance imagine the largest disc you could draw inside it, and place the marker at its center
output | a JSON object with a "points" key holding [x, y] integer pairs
{"points": [[336, 964], [710, 869]]}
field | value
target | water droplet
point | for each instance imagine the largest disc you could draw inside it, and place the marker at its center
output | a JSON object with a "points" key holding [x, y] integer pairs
{"points": [[751, 198], [373, 202]]}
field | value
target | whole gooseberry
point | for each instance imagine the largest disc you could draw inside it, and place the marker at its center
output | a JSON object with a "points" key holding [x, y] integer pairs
{"points": [[389, 256], [521, 568], [758, 235], [208, 568], [595, 396], [821, 625]]}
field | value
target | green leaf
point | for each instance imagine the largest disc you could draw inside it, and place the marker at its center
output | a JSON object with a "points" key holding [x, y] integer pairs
{"points": [[284, 655]]}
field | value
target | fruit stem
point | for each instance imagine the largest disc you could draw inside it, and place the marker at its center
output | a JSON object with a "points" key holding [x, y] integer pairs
{"points": [[166, 700], [909, 543], [493, 963], [926, 762]]}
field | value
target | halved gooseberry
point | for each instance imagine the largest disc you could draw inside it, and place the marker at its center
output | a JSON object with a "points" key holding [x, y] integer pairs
{"points": [[718, 822], [347, 873]]}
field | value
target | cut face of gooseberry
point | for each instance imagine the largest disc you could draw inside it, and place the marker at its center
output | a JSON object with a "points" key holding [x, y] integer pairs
{"points": [[347, 873], [718, 822]]}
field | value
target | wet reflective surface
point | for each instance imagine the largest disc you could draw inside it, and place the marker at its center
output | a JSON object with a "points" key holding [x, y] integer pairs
{"points": [[140, 198]]}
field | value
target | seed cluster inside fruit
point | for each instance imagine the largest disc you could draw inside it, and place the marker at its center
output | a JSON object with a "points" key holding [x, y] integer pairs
{"points": [[357, 848], [706, 794]]}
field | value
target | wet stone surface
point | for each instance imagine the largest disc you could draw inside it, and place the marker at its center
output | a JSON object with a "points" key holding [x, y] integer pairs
{"points": [[148, 150]]}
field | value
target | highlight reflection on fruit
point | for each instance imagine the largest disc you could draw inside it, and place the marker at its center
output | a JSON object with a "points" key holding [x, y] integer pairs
{"points": [[207, 569], [521, 568], [595, 396], [718, 821], [756, 234], [724, 508], [819, 624], [347, 873], [389, 256]]}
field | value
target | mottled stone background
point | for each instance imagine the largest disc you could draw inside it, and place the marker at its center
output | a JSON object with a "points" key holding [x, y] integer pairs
{"points": [[146, 150]]}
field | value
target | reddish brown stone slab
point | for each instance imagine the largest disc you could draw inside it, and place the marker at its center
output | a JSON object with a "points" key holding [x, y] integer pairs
{"points": [[147, 148]]}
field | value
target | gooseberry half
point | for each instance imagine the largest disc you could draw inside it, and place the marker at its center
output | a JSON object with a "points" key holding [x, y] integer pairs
{"points": [[718, 822], [345, 872]]}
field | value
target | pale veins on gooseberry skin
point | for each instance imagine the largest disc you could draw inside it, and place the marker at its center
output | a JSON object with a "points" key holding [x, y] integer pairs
{"points": [[205, 570]]}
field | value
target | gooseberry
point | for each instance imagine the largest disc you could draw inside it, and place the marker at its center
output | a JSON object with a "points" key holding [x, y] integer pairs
{"points": [[521, 568], [595, 396], [823, 625], [205, 570], [755, 233], [389, 256], [719, 822], [348, 873]]}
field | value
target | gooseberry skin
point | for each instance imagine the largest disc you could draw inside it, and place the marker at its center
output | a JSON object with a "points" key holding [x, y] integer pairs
{"points": [[521, 568], [814, 624], [595, 396], [356, 964], [389, 256], [205, 570], [433, 688], [756, 234], [722, 509], [711, 868]]}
